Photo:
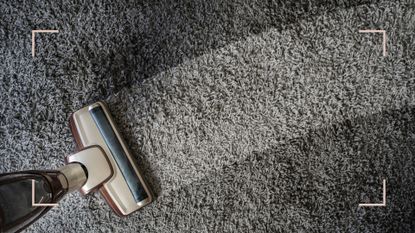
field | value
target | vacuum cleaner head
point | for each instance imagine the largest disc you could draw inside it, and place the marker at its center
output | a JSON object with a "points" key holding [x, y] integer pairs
{"points": [[120, 183], [103, 162]]}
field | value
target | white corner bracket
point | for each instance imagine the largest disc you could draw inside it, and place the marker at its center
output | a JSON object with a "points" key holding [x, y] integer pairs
{"points": [[383, 204], [34, 36], [33, 198], [378, 31]]}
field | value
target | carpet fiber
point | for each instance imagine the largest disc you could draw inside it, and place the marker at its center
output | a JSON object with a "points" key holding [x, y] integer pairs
{"points": [[245, 116]]}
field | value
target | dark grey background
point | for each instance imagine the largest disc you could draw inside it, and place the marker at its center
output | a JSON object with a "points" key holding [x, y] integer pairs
{"points": [[245, 116]]}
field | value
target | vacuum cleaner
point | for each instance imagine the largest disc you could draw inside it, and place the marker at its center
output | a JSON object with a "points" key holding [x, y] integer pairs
{"points": [[103, 162]]}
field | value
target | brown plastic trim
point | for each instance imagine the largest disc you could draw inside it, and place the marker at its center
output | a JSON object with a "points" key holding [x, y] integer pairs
{"points": [[72, 126]]}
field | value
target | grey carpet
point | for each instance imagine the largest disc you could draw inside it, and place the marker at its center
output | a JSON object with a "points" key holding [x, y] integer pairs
{"points": [[245, 116]]}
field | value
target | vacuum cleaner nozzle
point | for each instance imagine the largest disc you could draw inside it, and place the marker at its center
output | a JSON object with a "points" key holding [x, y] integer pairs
{"points": [[103, 163], [116, 175]]}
